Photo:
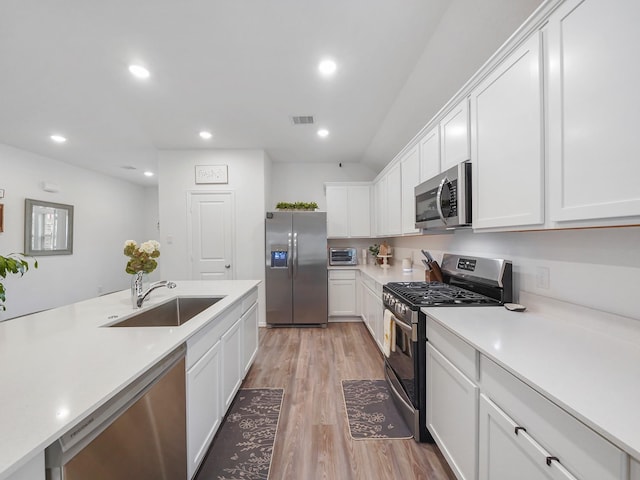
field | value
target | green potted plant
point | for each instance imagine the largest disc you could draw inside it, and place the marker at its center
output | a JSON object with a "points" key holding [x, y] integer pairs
{"points": [[12, 264], [309, 206]]}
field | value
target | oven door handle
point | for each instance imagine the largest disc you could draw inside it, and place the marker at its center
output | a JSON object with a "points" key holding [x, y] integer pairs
{"points": [[399, 395], [407, 328]]}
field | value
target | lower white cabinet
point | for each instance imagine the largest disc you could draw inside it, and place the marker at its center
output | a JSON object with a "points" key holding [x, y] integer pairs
{"points": [[218, 358], [452, 413], [549, 429], [373, 309], [232, 373], [342, 293], [204, 406], [506, 448], [249, 337]]}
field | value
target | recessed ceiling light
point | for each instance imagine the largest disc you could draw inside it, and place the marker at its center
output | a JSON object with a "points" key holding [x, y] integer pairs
{"points": [[205, 135], [323, 132], [139, 71], [148, 174], [58, 138], [327, 67]]}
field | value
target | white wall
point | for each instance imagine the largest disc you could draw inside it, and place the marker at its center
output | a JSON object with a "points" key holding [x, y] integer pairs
{"points": [[107, 212], [597, 268], [247, 171], [304, 182]]}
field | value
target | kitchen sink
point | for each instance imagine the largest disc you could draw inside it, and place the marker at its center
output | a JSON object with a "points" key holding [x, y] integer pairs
{"points": [[173, 313]]}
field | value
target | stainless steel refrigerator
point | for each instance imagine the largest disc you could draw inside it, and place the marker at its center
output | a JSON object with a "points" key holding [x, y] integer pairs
{"points": [[296, 268]]}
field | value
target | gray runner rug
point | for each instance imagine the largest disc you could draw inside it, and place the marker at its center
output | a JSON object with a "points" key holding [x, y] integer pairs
{"points": [[243, 446], [371, 411]]}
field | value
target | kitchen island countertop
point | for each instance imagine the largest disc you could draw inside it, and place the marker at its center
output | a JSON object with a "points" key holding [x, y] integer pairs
{"points": [[59, 365]]}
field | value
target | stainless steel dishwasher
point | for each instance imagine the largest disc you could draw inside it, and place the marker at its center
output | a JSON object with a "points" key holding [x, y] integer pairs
{"points": [[139, 434]]}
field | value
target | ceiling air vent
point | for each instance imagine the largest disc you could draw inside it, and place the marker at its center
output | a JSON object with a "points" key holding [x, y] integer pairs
{"points": [[302, 120]]}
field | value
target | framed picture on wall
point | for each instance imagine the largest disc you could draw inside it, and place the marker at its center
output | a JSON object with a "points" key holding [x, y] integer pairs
{"points": [[1, 217], [211, 174]]}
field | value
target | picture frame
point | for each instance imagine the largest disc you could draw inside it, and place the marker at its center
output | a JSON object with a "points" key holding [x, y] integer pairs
{"points": [[211, 174]]}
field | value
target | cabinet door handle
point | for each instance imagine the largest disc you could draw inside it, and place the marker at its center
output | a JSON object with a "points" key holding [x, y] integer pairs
{"points": [[550, 459], [517, 429]]}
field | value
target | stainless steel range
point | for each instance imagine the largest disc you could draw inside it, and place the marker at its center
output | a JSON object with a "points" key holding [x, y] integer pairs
{"points": [[467, 281]]}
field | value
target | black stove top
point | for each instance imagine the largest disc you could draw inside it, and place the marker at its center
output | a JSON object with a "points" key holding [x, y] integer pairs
{"points": [[433, 294]]}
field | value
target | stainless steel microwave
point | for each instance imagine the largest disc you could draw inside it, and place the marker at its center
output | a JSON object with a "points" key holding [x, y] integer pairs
{"points": [[444, 201]]}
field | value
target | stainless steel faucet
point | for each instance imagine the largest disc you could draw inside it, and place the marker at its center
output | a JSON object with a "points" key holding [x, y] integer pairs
{"points": [[141, 296]]}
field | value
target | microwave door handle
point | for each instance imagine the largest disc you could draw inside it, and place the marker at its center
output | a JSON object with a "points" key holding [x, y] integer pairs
{"points": [[289, 256], [444, 181]]}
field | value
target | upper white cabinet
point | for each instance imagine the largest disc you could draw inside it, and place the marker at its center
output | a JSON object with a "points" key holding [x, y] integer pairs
{"points": [[594, 102], [634, 473], [430, 154], [348, 210], [380, 211], [393, 204], [507, 144], [410, 173], [454, 136]]}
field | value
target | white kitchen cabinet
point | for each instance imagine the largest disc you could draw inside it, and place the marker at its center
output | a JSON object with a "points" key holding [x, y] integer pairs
{"points": [[454, 136], [393, 204], [410, 177], [373, 309], [580, 450], [32, 470], [348, 210], [505, 447], [342, 293], [634, 473], [452, 413], [218, 357], [594, 102], [380, 202], [249, 337], [507, 143], [204, 406], [231, 345], [430, 154], [337, 211]]}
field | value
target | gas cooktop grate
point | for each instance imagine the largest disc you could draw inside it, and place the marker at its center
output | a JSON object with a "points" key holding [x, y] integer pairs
{"points": [[422, 294]]}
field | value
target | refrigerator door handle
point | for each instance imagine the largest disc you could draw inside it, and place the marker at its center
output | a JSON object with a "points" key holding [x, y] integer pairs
{"points": [[295, 254], [289, 257]]}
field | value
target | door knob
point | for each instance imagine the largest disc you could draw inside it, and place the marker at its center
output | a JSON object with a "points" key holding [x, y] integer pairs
{"points": [[227, 266]]}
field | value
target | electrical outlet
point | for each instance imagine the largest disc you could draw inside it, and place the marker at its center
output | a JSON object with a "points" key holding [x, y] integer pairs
{"points": [[542, 278], [99, 289]]}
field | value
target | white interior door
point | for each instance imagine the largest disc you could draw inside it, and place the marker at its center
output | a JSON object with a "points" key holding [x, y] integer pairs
{"points": [[211, 224]]}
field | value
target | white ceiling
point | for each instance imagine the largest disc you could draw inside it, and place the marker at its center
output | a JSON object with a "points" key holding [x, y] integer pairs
{"points": [[239, 68]]}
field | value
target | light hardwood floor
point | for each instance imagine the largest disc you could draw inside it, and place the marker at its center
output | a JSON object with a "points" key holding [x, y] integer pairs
{"points": [[313, 441]]}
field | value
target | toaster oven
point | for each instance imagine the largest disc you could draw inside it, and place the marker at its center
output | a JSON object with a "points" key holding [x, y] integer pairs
{"points": [[343, 256]]}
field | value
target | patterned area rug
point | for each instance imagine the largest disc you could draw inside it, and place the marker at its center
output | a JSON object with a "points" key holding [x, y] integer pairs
{"points": [[243, 446], [371, 411]]}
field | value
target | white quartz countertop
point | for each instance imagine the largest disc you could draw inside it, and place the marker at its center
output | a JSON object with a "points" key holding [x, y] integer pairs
{"points": [[585, 361], [385, 275], [58, 366]]}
